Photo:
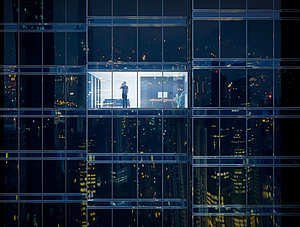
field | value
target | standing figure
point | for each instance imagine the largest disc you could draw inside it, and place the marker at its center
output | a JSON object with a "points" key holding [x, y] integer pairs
{"points": [[124, 88]]}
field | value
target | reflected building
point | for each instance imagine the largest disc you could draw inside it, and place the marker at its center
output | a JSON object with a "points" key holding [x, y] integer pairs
{"points": [[210, 135]]}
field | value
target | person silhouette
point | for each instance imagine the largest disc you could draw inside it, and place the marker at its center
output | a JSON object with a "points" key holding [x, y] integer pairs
{"points": [[124, 88]]}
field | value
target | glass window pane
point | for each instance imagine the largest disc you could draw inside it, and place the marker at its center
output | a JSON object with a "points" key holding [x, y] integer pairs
{"points": [[203, 4], [150, 135], [54, 176], [125, 218], [100, 179], [150, 181], [233, 4], [8, 133], [31, 133], [125, 8], [233, 88], [76, 48], [8, 177], [76, 11], [175, 180], [287, 136], [124, 179], [54, 91], [257, 4], [175, 92], [9, 214], [54, 48], [229, 220], [150, 218], [76, 174], [260, 88], [233, 136], [100, 90], [286, 220], [99, 44], [30, 176], [260, 185], [175, 7], [31, 91], [100, 218], [260, 221], [206, 88], [30, 48], [150, 8], [76, 91], [206, 186], [287, 36], [76, 214], [260, 137], [206, 137], [53, 214], [175, 135], [233, 39], [76, 138], [100, 133], [175, 217], [200, 221], [54, 133], [30, 214], [124, 43], [54, 11], [260, 39], [175, 44], [125, 94], [206, 39], [125, 135], [8, 91], [150, 90], [287, 88], [150, 45], [286, 186], [9, 11], [9, 48], [31, 11], [233, 186], [100, 8], [286, 4]]}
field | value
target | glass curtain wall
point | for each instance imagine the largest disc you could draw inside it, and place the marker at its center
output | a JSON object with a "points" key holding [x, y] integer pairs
{"points": [[245, 109]]}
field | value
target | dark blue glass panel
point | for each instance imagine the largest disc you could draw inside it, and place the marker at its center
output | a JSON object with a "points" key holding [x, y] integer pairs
{"points": [[9, 48], [175, 7], [31, 48], [150, 218], [9, 11], [54, 48], [9, 214], [30, 214], [206, 39], [54, 133], [100, 185], [76, 138], [30, 176], [125, 182], [125, 135], [260, 137], [8, 134], [100, 218], [31, 133], [206, 88], [233, 136], [54, 10], [31, 11], [175, 180], [233, 39], [206, 137], [76, 174], [53, 214], [76, 11], [76, 48], [99, 44], [54, 176], [150, 8], [54, 89], [150, 45], [9, 176], [125, 8], [203, 4], [125, 217], [100, 8], [100, 133]]}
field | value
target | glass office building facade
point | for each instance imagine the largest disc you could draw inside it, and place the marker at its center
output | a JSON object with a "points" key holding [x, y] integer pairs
{"points": [[210, 134]]}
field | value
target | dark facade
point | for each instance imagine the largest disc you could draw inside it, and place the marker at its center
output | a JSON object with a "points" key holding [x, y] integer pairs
{"points": [[210, 133]]}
